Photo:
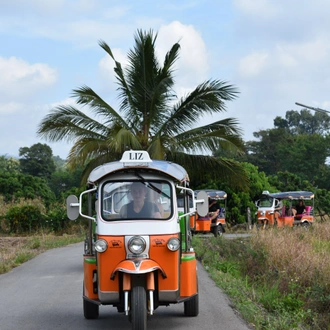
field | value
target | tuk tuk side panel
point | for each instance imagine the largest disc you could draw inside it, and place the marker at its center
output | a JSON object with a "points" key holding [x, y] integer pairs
{"points": [[90, 274], [108, 260], [188, 275], [285, 221], [203, 224], [167, 260]]}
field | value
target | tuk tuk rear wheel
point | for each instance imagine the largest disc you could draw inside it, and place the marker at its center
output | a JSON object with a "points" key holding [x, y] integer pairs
{"points": [[138, 308], [91, 311], [191, 306]]}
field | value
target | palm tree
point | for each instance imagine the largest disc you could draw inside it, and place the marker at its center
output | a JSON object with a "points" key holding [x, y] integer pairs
{"points": [[150, 118]]}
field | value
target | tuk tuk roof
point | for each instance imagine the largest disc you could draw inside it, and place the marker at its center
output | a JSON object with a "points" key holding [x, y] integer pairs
{"points": [[213, 193], [173, 170], [293, 195]]}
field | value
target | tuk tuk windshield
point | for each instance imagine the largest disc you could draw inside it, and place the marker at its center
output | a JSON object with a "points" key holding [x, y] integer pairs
{"points": [[149, 199], [266, 201]]}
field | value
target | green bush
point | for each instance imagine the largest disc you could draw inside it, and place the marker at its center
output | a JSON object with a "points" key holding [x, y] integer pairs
{"points": [[24, 219], [57, 219]]}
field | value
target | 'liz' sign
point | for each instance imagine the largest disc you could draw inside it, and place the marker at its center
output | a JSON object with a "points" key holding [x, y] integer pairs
{"points": [[131, 157]]}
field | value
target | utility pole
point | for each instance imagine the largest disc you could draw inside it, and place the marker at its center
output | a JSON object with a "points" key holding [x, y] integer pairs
{"points": [[315, 109]]}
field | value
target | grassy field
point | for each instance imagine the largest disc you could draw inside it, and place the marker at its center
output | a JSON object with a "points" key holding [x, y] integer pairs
{"points": [[277, 278]]}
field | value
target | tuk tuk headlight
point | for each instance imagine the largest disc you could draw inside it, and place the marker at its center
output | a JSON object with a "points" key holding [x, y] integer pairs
{"points": [[173, 244], [136, 245], [101, 245]]}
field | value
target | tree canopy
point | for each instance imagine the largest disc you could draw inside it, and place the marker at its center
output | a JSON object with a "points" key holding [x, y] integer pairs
{"points": [[37, 160]]}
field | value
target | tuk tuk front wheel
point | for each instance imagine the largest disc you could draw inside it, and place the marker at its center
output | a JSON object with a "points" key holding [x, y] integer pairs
{"points": [[91, 311], [217, 230], [191, 306], [138, 308]]}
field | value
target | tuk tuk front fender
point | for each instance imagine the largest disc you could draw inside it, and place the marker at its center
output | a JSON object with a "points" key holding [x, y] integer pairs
{"points": [[141, 266]]}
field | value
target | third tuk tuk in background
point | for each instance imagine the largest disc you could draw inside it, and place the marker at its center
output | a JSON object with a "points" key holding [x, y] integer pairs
{"points": [[277, 209], [215, 221]]}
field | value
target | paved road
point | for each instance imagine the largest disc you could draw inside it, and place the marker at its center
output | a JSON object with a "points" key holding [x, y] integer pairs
{"points": [[45, 293]]}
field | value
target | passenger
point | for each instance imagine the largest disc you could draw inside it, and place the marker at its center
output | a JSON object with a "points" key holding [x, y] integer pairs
{"points": [[214, 209], [139, 207], [299, 209]]}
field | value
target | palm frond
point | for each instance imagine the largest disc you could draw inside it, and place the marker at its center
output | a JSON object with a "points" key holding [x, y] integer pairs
{"points": [[223, 134], [122, 139], [68, 123], [86, 96], [207, 98]]}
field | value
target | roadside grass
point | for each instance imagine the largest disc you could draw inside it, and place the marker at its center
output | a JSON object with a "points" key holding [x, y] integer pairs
{"points": [[278, 279], [16, 250]]}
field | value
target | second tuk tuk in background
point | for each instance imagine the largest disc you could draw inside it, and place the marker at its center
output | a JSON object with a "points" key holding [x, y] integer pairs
{"points": [[215, 221]]}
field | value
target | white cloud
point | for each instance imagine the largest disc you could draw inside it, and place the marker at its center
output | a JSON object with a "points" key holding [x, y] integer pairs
{"points": [[192, 65], [253, 64], [21, 80]]}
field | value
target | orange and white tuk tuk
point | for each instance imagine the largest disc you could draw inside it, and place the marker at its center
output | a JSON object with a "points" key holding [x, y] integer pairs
{"points": [[277, 209], [138, 254], [205, 224]]}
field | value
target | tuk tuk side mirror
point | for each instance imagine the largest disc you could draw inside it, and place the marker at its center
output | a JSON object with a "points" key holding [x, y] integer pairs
{"points": [[202, 203], [72, 207]]}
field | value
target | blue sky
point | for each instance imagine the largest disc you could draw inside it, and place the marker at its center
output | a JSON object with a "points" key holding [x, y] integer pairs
{"points": [[275, 52]]}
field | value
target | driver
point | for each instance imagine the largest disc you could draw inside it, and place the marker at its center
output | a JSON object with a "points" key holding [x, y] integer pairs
{"points": [[139, 207]]}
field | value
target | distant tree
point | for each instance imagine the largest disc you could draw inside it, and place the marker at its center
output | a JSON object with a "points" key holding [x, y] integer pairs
{"points": [[59, 162], [265, 153], [304, 154], [37, 160], [14, 186], [286, 181], [278, 151], [63, 179], [304, 122]]}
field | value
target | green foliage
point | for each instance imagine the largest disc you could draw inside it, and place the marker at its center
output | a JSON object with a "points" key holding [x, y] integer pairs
{"points": [[57, 219], [37, 160], [304, 122], [298, 144], [63, 179], [15, 185], [10, 165], [27, 218]]}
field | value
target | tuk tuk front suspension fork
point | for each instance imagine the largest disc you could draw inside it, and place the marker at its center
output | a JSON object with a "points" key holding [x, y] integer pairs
{"points": [[150, 286]]}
